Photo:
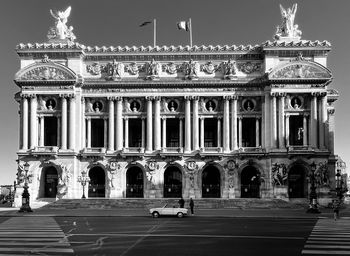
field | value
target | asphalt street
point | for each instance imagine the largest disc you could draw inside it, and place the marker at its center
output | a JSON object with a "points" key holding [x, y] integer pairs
{"points": [[187, 236]]}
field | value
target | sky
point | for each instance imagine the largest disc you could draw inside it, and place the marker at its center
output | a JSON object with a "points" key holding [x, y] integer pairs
{"points": [[219, 22]]}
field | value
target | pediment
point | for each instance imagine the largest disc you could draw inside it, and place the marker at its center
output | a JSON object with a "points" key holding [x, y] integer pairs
{"points": [[45, 72], [300, 70]]}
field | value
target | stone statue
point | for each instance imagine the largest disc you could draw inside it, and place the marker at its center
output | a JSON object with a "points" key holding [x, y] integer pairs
{"points": [[192, 69], [288, 28], [153, 70], [115, 70], [61, 31], [230, 69]]}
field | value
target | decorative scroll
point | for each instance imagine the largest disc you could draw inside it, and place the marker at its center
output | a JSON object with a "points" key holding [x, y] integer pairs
{"points": [[249, 67], [209, 68], [279, 174], [170, 68], [94, 69]]}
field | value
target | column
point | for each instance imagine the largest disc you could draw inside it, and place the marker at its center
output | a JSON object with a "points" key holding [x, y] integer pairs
{"points": [[313, 121], [202, 132], [149, 144], [64, 122], [323, 120], [157, 128], [331, 127], [119, 124], [59, 131], [88, 120], [164, 133], [305, 133], [142, 132], [267, 121], [257, 132], [33, 122], [110, 124], [83, 128], [187, 124], [195, 124], [105, 132], [41, 140], [24, 122], [126, 132], [181, 132], [287, 130], [234, 145], [240, 131], [273, 122], [72, 122], [219, 132], [281, 130], [226, 141]]}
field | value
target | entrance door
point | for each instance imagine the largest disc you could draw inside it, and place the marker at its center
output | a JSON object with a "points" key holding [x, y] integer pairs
{"points": [[211, 182], [296, 182], [97, 182], [172, 182], [134, 182], [51, 182], [250, 183]]}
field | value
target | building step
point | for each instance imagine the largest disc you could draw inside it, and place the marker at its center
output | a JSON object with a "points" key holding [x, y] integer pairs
{"points": [[102, 203]]}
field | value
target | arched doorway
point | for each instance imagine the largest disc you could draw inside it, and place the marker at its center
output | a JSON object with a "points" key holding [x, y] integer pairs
{"points": [[97, 182], [172, 182], [51, 182], [296, 182], [250, 182], [134, 182], [211, 182]]}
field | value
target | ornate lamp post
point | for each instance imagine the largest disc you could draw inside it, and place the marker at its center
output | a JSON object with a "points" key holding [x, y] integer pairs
{"points": [[338, 185], [313, 208], [83, 179], [25, 195]]}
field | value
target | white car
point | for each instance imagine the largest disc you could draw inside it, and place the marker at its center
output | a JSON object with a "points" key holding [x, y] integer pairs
{"points": [[168, 210]]}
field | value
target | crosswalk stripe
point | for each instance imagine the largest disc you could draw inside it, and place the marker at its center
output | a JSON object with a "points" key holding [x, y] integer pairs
{"points": [[33, 235], [329, 237]]}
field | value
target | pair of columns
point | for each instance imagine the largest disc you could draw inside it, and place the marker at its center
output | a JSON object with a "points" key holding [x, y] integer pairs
{"points": [[29, 113], [317, 124]]}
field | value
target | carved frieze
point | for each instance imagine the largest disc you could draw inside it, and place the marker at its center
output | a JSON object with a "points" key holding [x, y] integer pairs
{"points": [[249, 67], [279, 174], [300, 70], [45, 73], [209, 67], [94, 69], [171, 68], [191, 69]]}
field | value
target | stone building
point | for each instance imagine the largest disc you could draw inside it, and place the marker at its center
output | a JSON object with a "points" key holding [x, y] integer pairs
{"points": [[154, 122]]}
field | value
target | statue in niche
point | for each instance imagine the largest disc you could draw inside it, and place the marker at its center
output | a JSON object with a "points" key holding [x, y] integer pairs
{"points": [[288, 28], [61, 31]]}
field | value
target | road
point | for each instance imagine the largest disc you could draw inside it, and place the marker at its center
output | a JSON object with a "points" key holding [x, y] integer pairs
{"points": [[194, 235], [188, 236]]}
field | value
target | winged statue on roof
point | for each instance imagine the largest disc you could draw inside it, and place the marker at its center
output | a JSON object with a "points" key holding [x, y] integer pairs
{"points": [[288, 28], [61, 30]]}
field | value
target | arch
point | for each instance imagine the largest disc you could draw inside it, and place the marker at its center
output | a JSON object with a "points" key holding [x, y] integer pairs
{"points": [[97, 184], [297, 182], [300, 69], [43, 72], [250, 182], [211, 181], [134, 181], [173, 181], [50, 178]]}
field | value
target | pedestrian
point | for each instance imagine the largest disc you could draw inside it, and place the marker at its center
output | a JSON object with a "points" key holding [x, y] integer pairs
{"points": [[192, 206], [181, 203], [335, 207]]}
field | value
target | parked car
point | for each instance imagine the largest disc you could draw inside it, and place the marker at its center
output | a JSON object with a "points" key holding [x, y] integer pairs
{"points": [[169, 211]]}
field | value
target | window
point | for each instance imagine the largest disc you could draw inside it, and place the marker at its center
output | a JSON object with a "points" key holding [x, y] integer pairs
{"points": [[210, 132], [135, 132], [97, 133], [172, 132], [50, 131]]}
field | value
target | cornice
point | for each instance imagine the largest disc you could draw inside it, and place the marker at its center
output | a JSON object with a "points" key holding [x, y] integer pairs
{"points": [[296, 44]]}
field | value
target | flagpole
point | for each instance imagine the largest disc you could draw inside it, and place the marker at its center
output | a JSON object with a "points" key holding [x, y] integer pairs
{"points": [[154, 33], [190, 26]]}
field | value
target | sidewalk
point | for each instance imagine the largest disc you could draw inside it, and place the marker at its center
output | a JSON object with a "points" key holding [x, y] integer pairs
{"points": [[140, 212]]}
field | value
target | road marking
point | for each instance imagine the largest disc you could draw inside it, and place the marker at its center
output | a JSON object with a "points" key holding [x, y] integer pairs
{"points": [[329, 237], [33, 235], [190, 235]]}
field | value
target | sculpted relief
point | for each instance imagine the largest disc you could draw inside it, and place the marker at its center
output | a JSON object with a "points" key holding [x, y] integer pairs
{"points": [[300, 70]]}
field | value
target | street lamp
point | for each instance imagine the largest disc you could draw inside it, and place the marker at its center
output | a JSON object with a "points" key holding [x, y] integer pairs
{"points": [[83, 179], [338, 184], [313, 208], [25, 195]]}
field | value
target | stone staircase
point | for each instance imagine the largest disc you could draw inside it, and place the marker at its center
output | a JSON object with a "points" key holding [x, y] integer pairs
{"points": [[240, 203]]}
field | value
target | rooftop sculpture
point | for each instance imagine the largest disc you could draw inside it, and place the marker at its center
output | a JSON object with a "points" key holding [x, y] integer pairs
{"points": [[61, 31], [288, 30]]}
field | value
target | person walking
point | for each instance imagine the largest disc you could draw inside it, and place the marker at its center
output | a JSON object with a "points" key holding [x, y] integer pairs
{"points": [[181, 203], [336, 207], [192, 206]]}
